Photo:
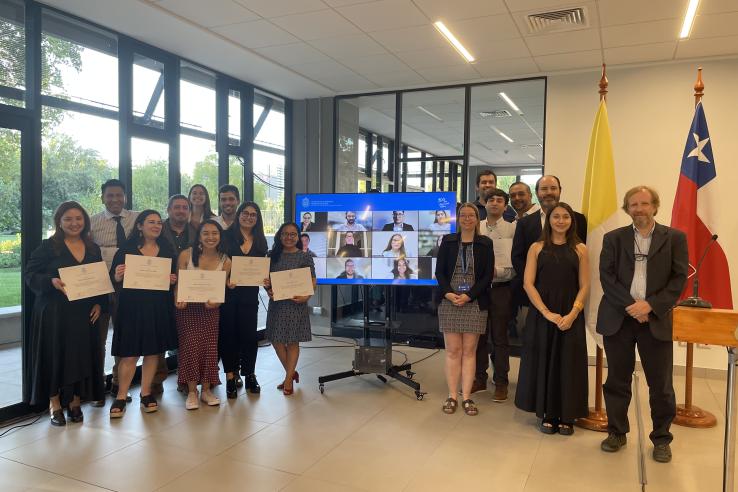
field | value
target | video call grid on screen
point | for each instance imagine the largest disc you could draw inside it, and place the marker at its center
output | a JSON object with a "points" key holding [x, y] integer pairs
{"points": [[375, 238]]}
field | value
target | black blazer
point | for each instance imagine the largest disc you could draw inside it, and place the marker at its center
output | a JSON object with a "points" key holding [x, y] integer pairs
{"points": [[484, 260], [666, 271], [391, 226], [527, 232]]}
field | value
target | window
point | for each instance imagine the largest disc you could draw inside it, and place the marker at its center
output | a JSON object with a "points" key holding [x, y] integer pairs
{"points": [[148, 91], [12, 52], [234, 118], [414, 168], [150, 163], [269, 160], [197, 99], [433, 120], [198, 164]]}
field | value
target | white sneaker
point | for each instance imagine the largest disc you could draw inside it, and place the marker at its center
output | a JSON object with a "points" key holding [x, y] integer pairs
{"points": [[192, 403], [209, 399]]}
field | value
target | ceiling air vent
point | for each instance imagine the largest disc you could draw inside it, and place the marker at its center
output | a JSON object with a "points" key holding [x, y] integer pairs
{"points": [[557, 20], [496, 113], [531, 146]]}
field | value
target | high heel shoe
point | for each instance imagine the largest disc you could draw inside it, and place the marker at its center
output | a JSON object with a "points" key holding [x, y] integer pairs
{"points": [[231, 390], [57, 417], [288, 391], [75, 414], [252, 384], [295, 378]]}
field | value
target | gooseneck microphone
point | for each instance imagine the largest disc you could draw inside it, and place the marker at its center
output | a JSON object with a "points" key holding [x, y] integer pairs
{"points": [[695, 300]]}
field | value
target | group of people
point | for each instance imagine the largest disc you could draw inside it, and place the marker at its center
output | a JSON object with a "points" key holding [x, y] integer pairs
{"points": [[510, 257], [69, 337]]}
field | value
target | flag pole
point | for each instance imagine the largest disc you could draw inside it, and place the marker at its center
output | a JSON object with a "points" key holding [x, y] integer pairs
{"points": [[597, 418], [689, 415]]}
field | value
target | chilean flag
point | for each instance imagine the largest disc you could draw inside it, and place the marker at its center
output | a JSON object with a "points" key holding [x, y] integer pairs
{"points": [[695, 207]]}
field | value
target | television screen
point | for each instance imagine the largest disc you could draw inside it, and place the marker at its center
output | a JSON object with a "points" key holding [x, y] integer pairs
{"points": [[375, 238]]}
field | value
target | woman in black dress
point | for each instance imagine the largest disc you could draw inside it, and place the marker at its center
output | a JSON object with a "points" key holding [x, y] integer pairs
{"points": [[65, 364], [553, 365], [237, 343], [145, 325]]}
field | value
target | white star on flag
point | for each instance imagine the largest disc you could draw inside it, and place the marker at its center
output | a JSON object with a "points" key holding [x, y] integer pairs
{"points": [[697, 151]]}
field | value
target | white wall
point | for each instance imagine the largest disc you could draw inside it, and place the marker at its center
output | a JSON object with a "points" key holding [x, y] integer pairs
{"points": [[650, 111]]}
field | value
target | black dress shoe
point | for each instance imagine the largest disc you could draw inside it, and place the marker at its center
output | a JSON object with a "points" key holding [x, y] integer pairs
{"points": [[239, 381], [613, 442], [252, 384], [75, 414], [57, 418], [662, 453], [231, 391]]}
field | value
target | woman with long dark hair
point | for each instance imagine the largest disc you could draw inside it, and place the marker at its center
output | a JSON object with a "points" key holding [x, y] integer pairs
{"points": [[200, 209], [197, 322], [237, 341], [395, 247], [66, 367], [401, 269], [145, 324], [288, 320], [553, 364]]}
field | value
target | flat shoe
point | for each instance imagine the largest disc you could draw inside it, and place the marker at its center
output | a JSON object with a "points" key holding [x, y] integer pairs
{"points": [[57, 418], [449, 406], [192, 403], [75, 414], [469, 407]]}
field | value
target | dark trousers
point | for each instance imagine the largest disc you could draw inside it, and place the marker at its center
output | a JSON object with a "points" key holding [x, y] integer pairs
{"points": [[498, 318], [237, 342], [657, 358]]}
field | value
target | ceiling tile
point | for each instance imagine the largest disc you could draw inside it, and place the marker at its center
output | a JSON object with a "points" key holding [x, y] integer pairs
{"points": [[292, 54], [348, 46], [614, 12], [714, 25], [343, 3], [717, 6], [410, 39], [500, 50], [460, 9], [317, 25], [491, 28], [384, 14], [641, 33], [569, 61], [639, 54], [444, 56], [505, 68], [367, 65], [449, 74], [396, 79], [563, 42], [540, 5], [215, 13], [256, 34], [334, 75], [700, 48], [275, 8]]}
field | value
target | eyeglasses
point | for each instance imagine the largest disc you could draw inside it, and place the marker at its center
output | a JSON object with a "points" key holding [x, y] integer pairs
{"points": [[250, 215], [289, 234]]}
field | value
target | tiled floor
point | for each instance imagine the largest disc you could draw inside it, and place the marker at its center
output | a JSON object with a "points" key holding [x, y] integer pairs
{"points": [[360, 435]]}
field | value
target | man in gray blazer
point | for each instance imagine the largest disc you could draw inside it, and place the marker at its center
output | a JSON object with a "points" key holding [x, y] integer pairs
{"points": [[643, 269]]}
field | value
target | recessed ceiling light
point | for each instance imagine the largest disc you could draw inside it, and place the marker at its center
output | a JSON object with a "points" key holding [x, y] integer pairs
{"points": [[497, 130], [432, 115], [689, 18], [533, 157], [510, 103], [454, 42]]}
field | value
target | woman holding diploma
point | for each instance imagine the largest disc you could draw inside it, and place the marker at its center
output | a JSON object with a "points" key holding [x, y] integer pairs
{"points": [[464, 272], [145, 326], [64, 342], [288, 321], [197, 322], [237, 342], [553, 364]]}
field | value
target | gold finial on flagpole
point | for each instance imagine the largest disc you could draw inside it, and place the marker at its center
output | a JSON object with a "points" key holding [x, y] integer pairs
{"points": [[699, 87], [603, 84]]}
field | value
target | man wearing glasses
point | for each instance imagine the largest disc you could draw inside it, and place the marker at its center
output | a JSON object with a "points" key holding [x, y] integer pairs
{"points": [[643, 269], [398, 222]]}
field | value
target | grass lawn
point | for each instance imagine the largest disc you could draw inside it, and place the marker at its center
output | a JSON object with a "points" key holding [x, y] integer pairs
{"points": [[7, 237], [10, 287]]}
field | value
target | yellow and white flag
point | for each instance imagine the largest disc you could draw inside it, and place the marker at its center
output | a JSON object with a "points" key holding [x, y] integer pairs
{"points": [[600, 206]]}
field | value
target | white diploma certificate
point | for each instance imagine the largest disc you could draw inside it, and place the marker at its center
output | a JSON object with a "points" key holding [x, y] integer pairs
{"points": [[88, 280], [147, 272], [108, 253], [290, 283], [201, 286], [502, 248], [248, 271]]}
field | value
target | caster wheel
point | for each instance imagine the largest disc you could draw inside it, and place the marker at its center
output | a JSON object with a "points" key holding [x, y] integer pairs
{"points": [[381, 378], [419, 395], [322, 389], [410, 374]]}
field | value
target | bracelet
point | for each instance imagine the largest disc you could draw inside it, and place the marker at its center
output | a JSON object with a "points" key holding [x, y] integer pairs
{"points": [[579, 305]]}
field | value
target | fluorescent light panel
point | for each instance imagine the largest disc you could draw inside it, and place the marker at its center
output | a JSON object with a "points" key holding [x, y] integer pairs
{"points": [[532, 157], [454, 42], [432, 115], [689, 18], [497, 131], [510, 102]]}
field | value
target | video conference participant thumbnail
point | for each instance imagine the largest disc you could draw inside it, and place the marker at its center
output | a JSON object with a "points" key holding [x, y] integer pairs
{"points": [[426, 268], [435, 220], [395, 244], [396, 269], [395, 220], [313, 221], [429, 242], [349, 268], [348, 244], [350, 220]]}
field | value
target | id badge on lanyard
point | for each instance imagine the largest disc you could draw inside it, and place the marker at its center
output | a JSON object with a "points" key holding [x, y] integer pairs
{"points": [[464, 286]]}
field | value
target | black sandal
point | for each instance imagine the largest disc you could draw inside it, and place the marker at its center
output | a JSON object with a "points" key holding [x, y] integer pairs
{"points": [[469, 407], [566, 429], [548, 426], [449, 406], [149, 403], [119, 405], [75, 414]]}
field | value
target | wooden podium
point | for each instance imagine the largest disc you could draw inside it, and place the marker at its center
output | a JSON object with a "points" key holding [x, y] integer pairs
{"points": [[715, 327]]}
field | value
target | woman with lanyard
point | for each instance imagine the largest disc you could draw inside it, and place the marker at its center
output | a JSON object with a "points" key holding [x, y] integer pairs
{"points": [[464, 272]]}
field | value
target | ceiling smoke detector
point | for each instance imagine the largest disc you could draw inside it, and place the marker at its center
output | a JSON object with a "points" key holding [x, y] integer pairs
{"points": [[557, 20], [495, 113]]}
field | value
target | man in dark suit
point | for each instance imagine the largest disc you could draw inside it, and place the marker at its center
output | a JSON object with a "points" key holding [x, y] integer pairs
{"points": [[528, 231], [398, 222], [643, 269]]}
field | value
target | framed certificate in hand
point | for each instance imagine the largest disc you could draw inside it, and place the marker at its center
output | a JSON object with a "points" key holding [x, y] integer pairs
{"points": [[147, 272], [201, 286], [88, 280], [291, 283], [249, 271]]}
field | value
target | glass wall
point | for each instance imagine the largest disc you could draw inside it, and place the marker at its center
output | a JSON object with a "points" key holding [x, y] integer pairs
{"points": [[12, 52], [269, 159]]}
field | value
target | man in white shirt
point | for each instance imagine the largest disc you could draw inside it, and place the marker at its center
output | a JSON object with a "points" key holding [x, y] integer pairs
{"points": [[228, 200], [350, 224], [501, 233], [109, 230]]}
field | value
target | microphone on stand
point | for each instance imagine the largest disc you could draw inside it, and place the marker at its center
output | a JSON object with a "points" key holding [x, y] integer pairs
{"points": [[695, 300]]}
